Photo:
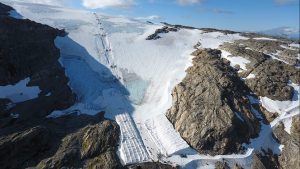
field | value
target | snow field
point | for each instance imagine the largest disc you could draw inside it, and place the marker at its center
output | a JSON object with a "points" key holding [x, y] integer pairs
{"points": [[19, 92], [265, 39], [161, 63], [164, 136]]}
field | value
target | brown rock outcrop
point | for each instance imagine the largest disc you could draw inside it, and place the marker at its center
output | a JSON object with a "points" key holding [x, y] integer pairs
{"points": [[204, 106], [271, 76], [290, 157]]}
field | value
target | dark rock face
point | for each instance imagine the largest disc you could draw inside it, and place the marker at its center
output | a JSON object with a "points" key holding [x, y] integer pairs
{"points": [[151, 165], [267, 116], [290, 156], [271, 76], [4, 9], [220, 165], [155, 36], [204, 106], [69, 141], [31, 140], [28, 50], [269, 160], [236, 166]]}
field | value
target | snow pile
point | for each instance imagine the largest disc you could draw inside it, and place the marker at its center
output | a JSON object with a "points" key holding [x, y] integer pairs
{"points": [[251, 75], [164, 136], [283, 106], [19, 92], [132, 148], [288, 124], [295, 45], [265, 39], [235, 60]]}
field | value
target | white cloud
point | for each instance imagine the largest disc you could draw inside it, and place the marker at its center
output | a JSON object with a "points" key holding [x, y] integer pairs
{"points": [[281, 31], [104, 4], [150, 17], [185, 16], [49, 2], [220, 11], [212, 10], [290, 30], [199, 10], [189, 2], [283, 1]]}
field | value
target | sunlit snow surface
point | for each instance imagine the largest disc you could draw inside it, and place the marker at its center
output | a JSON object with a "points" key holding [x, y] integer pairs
{"points": [[165, 137], [112, 68], [279, 106]]}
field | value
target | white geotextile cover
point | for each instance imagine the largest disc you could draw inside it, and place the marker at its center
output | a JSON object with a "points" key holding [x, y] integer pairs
{"points": [[132, 148], [165, 137]]}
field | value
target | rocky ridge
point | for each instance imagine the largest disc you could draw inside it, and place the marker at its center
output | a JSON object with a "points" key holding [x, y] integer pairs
{"points": [[289, 157], [207, 105], [271, 76], [197, 119]]}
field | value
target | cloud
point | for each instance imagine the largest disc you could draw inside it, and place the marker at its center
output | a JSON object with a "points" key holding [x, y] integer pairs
{"points": [[150, 17], [185, 16], [212, 10], [199, 10], [49, 2], [104, 4], [189, 2], [283, 1], [219, 11]]}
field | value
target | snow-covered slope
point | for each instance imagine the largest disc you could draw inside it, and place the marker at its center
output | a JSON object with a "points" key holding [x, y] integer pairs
{"points": [[113, 68], [165, 137]]}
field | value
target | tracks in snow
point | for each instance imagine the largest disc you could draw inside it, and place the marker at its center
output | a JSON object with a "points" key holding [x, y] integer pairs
{"points": [[132, 149], [104, 42]]}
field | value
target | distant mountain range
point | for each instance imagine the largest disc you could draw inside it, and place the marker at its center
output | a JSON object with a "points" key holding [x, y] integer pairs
{"points": [[281, 31]]}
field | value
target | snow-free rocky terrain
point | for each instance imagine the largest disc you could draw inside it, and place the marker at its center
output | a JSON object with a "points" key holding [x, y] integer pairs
{"points": [[80, 89]]}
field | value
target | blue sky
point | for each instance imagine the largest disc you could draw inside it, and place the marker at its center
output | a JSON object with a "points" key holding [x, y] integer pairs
{"points": [[236, 15]]}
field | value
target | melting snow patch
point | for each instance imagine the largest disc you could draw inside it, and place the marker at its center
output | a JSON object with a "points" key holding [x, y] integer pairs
{"points": [[250, 76], [235, 60], [295, 45], [287, 124], [14, 115], [281, 147], [48, 94], [135, 86], [9, 105], [19, 92], [279, 106], [166, 138], [265, 39]]}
